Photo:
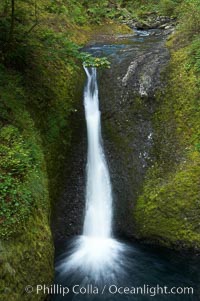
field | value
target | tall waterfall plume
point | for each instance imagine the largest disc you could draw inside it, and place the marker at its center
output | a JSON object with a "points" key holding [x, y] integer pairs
{"points": [[98, 216], [95, 254]]}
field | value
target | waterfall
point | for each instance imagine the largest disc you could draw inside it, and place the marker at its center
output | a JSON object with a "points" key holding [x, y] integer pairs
{"points": [[98, 216], [95, 254]]}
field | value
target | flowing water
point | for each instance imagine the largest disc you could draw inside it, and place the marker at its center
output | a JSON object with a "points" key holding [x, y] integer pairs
{"points": [[95, 265], [95, 254], [98, 218]]}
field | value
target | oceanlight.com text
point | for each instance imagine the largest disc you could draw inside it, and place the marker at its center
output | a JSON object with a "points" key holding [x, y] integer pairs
{"points": [[113, 289]]}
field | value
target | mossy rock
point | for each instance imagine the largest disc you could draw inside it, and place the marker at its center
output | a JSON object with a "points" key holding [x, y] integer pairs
{"points": [[27, 260], [168, 209]]}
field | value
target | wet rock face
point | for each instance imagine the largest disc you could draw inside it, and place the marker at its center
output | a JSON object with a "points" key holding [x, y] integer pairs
{"points": [[127, 92], [142, 76], [68, 214], [152, 21]]}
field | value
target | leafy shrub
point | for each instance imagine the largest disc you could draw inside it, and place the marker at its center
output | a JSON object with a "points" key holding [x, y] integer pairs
{"points": [[18, 168], [194, 55], [90, 61], [189, 14], [14, 152], [167, 7]]}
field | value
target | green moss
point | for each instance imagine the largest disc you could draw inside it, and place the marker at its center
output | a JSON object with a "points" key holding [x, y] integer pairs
{"points": [[168, 209], [27, 260], [26, 249], [23, 180]]}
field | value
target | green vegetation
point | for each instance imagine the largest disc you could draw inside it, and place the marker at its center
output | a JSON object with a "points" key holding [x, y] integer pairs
{"points": [[40, 60], [141, 9], [41, 82], [23, 184], [27, 260], [168, 209]]}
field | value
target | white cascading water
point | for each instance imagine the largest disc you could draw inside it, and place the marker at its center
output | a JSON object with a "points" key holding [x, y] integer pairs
{"points": [[98, 217], [95, 254]]}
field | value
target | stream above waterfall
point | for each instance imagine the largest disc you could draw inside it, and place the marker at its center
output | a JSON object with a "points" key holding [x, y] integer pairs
{"points": [[137, 265]]}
